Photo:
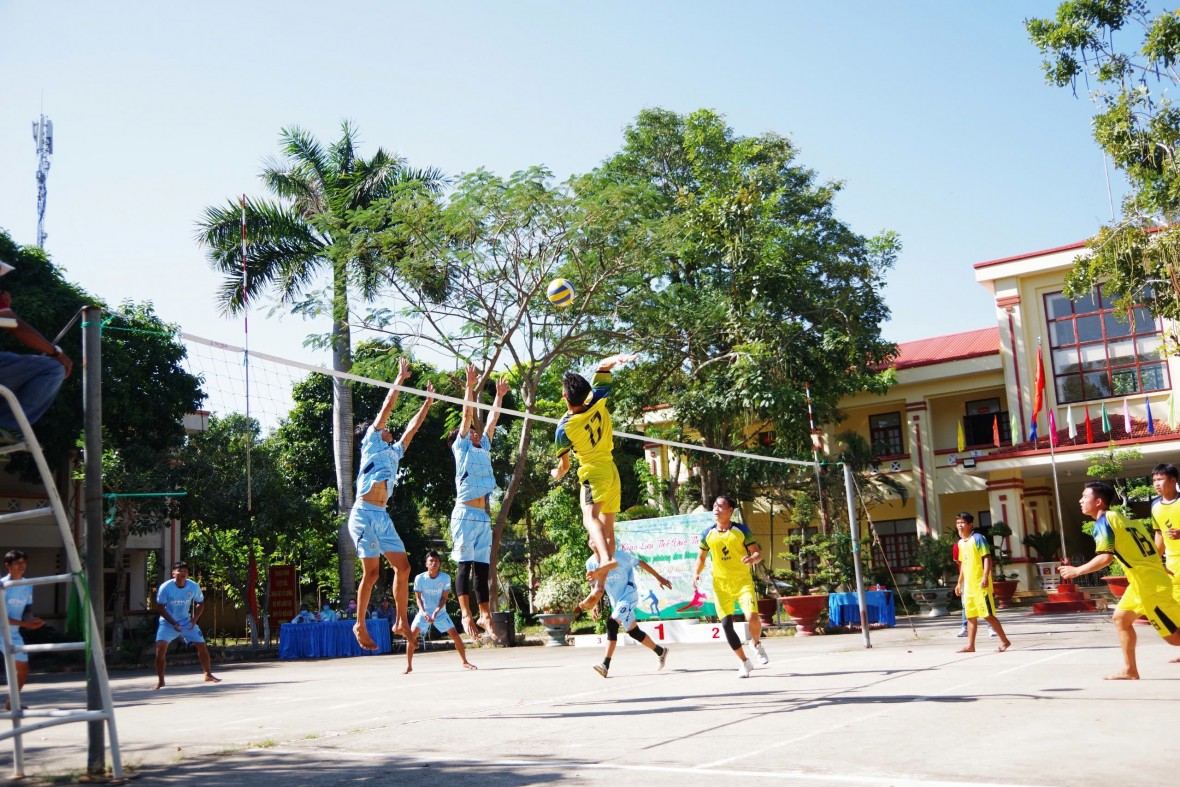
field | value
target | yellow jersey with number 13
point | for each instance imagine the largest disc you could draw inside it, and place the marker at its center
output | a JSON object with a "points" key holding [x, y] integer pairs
{"points": [[588, 433]]}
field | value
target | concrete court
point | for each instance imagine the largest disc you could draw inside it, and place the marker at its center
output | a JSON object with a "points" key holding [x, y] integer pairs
{"points": [[825, 711]]}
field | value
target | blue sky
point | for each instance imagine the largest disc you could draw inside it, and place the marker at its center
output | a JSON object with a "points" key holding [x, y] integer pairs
{"points": [[934, 114]]}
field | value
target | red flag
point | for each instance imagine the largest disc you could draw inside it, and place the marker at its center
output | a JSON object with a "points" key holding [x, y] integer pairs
{"points": [[1089, 429], [996, 430], [1039, 392], [1052, 429]]}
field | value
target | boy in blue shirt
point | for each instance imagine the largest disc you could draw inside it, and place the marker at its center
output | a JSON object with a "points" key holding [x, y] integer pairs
{"points": [[624, 595], [431, 588], [19, 600], [173, 601]]}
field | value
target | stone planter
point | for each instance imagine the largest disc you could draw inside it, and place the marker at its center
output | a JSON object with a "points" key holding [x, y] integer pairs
{"points": [[932, 601], [1117, 585], [1004, 590], [766, 608], [557, 627], [806, 611]]}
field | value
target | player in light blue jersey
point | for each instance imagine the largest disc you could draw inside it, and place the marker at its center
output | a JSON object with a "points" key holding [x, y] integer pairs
{"points": [[431, 587], [180, 603], [471, 524], [624, 595], [19, 601], [368, 522]]}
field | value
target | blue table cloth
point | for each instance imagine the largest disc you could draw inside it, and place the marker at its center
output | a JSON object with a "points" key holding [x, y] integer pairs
{"points": [[844, 609], [330, 640]]}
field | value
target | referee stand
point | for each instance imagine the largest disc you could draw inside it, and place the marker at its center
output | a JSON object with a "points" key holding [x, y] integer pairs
{"points": [[40, 719]]}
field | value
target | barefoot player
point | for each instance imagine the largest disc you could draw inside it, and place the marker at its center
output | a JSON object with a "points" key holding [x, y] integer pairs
{"points": [[975, 584]]}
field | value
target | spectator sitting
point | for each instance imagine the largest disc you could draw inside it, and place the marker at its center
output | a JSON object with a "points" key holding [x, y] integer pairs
{"points": [[34, 379], [386, 611], [328, 614], [305, 615], [350, 610]]}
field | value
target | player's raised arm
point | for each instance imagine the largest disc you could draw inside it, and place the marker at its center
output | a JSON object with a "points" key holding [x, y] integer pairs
{"points": [[419, 418], [468, 400], [403, 373], [494, 415], [606, 364]]}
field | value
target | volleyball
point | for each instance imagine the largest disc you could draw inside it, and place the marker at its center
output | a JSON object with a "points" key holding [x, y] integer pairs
{"points": [[560, 292]]}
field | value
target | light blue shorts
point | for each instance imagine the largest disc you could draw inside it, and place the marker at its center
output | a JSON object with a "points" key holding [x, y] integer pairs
{"points": [[471, 534], [166, 633], [442, 622], [372, 530], [17, 639], [624, 614]]}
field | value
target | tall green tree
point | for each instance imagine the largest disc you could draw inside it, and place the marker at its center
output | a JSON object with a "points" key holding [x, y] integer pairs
{"points": [[473, 272], [1126, 59], [225, 533], [748, 285], [302, 235]]}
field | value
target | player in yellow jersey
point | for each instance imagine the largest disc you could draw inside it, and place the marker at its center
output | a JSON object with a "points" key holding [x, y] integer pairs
{"points": [[1165, 519], [1149, 589], [585, 430], [975, 583], [733, 549]]}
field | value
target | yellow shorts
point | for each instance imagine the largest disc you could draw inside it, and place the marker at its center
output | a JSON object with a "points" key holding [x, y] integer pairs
{"points": [[1153, 600], [729, 596], [600, 485], [979, 605]]}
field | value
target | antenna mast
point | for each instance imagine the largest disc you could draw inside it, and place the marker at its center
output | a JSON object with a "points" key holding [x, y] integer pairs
{"points": [[43, 136]]}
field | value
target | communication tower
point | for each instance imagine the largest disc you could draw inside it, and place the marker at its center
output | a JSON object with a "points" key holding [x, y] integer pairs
{"points": [[43, 135]]}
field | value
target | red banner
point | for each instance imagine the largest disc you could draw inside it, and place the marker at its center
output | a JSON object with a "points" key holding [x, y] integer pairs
{"points": [[284, 594]]}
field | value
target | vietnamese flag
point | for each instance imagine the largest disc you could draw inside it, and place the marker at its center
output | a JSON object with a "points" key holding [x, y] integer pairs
{"points": [[1089, 429]]}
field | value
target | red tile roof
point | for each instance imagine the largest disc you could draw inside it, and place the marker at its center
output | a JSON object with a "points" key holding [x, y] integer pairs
{"points": [[942, 349]]}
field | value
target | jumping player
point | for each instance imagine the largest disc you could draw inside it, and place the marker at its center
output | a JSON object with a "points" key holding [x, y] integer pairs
{"points": [[471, 525], [733, 580], [1149, 589], [369, 523], [975, 584], [586, 431], [431, 588], [624, 595]]}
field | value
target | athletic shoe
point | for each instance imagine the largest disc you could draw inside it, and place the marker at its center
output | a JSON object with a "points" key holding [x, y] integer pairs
{"points": [[663, 657], [745, 670], [602, 669], [761, 651], [962, 633]]}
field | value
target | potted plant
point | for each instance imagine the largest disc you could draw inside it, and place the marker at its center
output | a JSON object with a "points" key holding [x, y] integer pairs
{"points": [[1048, 547], [768, 595], [557, 597], [813, 566], [1003, 585], [935, 560]]}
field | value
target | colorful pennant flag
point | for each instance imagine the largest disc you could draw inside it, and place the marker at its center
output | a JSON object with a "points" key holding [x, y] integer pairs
{"points": [[1052, 429], [962, 437], [1150, 421], [1089, 429], [1126, 417], [1013, 429], [996, 430], [1073, 429], [1172, 420], [1105, 419]]}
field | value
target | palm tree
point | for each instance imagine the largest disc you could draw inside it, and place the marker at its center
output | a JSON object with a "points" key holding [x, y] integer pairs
{"points": [[294, 239]]}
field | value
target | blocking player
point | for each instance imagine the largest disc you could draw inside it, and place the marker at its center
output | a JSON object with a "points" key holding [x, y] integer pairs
{"points": [[1149, 588], [174, 599], [734, 550], [431, 588], [586, 431], [369, 523], [624, 595], [975, 584], [471, 525]]}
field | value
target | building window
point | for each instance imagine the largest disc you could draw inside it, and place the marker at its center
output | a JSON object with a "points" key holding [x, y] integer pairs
{"points": [[885, 434], [899, 540], [981, 420], [1098, 351]]}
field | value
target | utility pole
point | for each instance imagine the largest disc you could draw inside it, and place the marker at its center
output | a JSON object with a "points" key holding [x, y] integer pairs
{"points": [[43, 136]]}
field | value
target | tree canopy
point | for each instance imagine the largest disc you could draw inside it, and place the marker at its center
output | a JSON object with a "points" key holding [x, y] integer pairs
{"points": [[1127, 60]]}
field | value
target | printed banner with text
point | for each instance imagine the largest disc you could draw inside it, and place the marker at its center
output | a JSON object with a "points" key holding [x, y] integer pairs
{"points": [[671, 545]]}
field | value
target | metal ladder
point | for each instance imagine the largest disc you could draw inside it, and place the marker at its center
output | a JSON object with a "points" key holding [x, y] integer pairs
{"points": [[49, 718]]}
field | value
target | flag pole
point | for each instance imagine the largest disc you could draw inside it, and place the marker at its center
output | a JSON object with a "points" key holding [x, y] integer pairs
{"points": [[815, 443]]}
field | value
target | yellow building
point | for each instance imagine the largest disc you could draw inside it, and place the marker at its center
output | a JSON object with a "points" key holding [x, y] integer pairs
{"points": [[984, 382]]}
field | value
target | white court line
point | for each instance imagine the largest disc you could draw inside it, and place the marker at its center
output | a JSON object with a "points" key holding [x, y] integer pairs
{"points": [[870, 715], [809, 777]]}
